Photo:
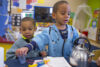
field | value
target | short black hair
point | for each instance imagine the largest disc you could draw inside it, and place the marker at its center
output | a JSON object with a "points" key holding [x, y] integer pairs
{"points": [[27, 19], [56, 5]]}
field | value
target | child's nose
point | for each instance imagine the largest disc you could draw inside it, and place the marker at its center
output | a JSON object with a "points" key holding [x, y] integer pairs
{"points": [[67, 16], [27, 31]]}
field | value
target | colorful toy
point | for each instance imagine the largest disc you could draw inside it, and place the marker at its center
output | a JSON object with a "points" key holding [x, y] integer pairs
{"points": [[46, 61], [34, 65], [39, 63]]}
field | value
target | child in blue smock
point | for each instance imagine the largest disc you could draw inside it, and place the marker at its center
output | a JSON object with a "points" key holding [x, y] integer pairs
{"points": [[59, 37], [27, 29]]}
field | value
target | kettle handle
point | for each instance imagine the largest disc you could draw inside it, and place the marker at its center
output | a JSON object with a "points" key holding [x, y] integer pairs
{"points": [[76, 42]]}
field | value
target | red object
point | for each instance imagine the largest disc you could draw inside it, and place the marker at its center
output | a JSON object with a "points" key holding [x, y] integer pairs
{"points": [[4, 40], [85, 33]]}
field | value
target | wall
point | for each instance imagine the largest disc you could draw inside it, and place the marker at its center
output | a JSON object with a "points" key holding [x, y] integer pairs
{"points": [[94, 4], [47, 3], [75, 3], [79, 23]]}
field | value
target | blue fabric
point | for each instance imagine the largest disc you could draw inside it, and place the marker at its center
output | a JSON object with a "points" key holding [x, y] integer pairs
{"points": [[3, 8], [28, 6], [9, 25], [10, 19], [55, 48], [64, 33], [0, 3], [15, 4], [3, 17], [92, 47], [92, 64], [2, 25], [34, 45], [18, 44], [29, 47]]}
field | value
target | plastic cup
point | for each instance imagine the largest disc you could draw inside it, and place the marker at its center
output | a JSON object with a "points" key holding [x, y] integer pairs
{"points": [[22, 59]]}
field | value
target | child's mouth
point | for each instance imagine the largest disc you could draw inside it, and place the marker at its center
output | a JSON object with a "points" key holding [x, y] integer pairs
{"points": [[28, 36], [65, 20]]}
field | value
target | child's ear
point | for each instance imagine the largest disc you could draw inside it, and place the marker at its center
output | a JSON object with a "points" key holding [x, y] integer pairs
{"points": [[53, 15]]}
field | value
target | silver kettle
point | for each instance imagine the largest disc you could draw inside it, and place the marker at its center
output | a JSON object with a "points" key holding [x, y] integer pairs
{"points": [[80, 53]]}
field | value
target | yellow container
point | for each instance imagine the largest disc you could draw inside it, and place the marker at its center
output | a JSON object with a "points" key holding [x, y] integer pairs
{"points": [[34, 65], [6, 47], [46, 61]]}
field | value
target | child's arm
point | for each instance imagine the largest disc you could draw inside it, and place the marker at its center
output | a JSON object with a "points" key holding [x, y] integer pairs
{"points": [[38, 42], [11, 52], [21, 51], [75, 33], [24, 50]]}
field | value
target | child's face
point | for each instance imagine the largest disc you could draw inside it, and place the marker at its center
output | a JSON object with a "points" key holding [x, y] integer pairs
{"points": [[62, 15], [27, 29]]}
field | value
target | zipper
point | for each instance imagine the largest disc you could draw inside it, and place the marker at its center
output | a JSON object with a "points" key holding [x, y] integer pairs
{"points": [[63, 47]]}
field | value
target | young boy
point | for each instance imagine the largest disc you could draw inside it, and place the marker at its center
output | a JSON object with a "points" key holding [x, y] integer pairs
{"points": [[59, 37], [27, 29]]}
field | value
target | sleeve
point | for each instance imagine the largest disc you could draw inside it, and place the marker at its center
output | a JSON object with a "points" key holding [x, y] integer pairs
{"points": [[39, 41], [75, 34], [42, 39], [11, 52]]}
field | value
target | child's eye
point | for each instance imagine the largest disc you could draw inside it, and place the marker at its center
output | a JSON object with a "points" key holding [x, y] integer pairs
{"points": [[63, 13], [24, 29], [30, 28]]}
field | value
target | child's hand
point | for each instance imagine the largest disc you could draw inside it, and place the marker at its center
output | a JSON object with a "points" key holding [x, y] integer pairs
{"points": [[43, 53], [21, 51], [98, 61], [89, 59]]}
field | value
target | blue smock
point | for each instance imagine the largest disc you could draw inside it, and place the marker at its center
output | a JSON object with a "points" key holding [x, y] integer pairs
{"points": [[55, 41]]}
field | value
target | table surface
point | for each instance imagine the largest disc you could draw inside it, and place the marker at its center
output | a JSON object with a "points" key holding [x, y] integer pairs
{"points": [[16, 63]]}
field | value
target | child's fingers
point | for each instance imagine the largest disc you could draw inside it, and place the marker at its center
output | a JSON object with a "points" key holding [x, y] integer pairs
{"points": [[24, 51], [17, 52], [89, 59], [43, 53], [21, 51]]}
